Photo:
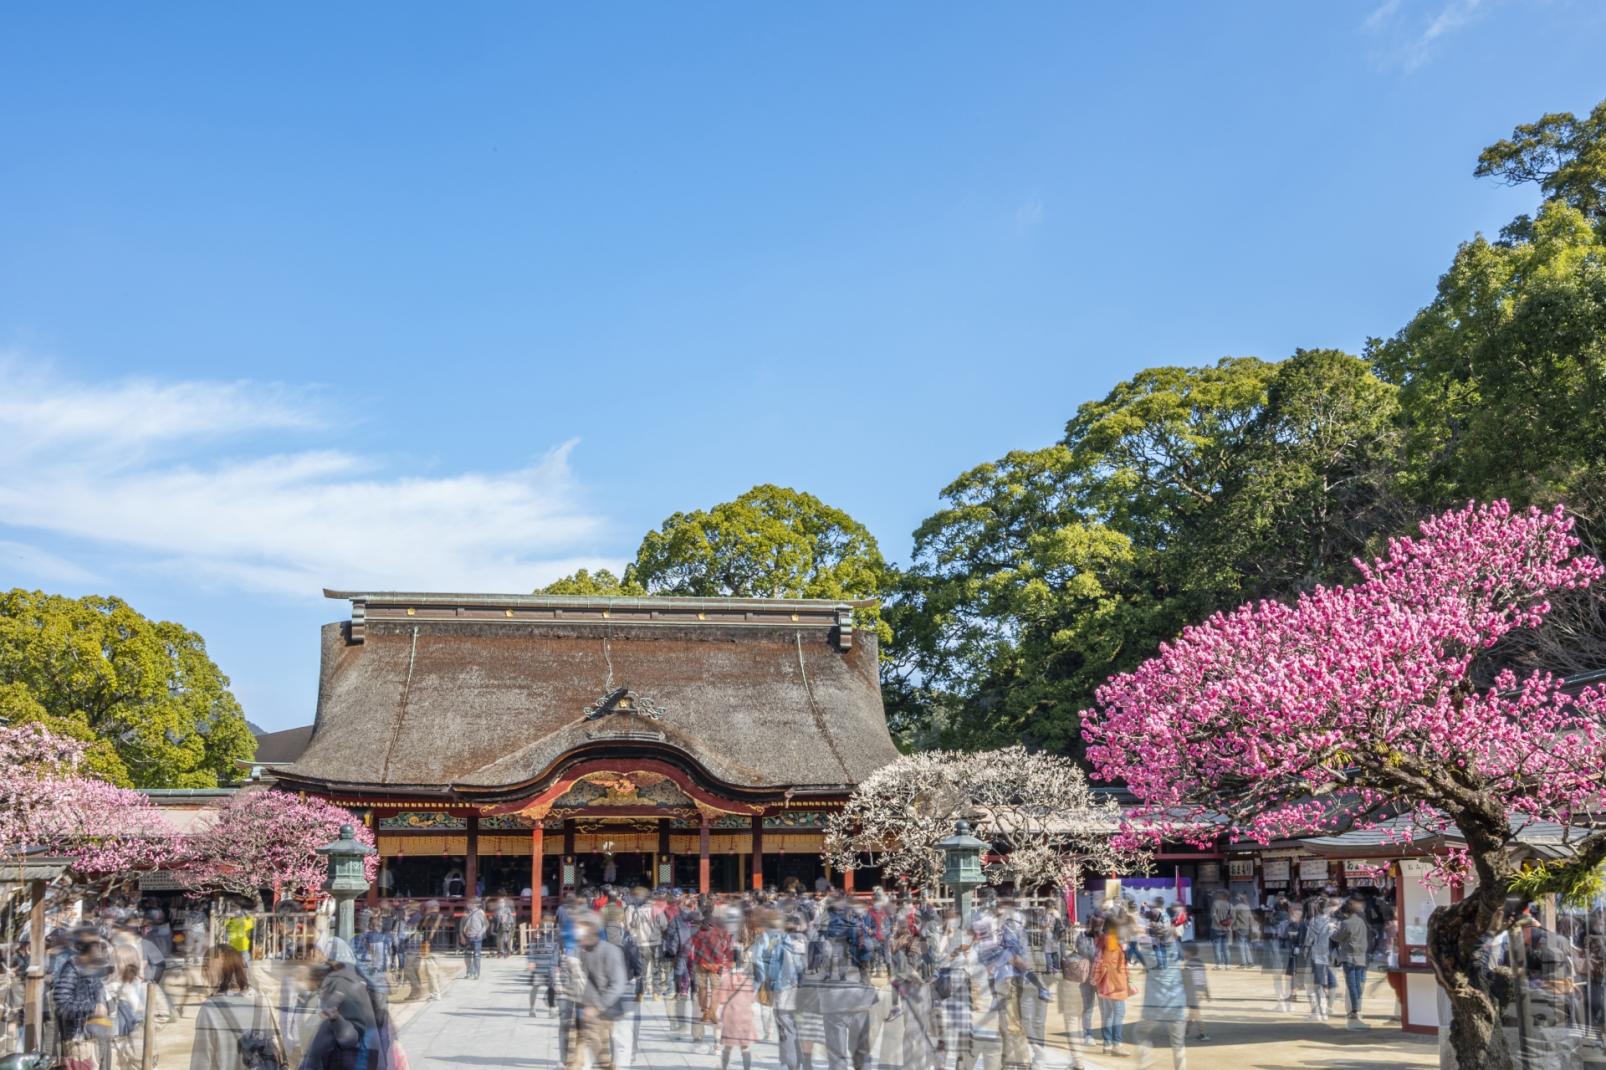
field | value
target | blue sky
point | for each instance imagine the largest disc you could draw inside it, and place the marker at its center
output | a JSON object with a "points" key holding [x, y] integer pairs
{"points": [[415, 296]]}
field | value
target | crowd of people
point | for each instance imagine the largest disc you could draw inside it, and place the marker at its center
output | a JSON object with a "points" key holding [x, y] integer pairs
{"points": [[1309, 947], [806, 973], [310, 1007], [831, 980]]}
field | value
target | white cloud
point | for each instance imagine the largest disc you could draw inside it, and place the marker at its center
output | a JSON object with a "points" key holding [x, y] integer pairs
{"points": [[1410, 38], [142, 466], [1381, 14]]}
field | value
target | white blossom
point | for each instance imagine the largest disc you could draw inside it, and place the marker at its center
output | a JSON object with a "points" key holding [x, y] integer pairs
{"points": [[1038, 810]]}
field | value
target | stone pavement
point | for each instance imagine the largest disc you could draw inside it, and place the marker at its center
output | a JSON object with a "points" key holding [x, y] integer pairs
{"points": [[487, 1024]]}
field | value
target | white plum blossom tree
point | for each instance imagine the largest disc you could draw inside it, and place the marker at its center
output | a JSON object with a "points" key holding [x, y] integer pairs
{"points": [[1037, 809]]}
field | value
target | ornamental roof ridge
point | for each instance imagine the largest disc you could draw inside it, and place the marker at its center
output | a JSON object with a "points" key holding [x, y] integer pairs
{"points": [[561, 601]]}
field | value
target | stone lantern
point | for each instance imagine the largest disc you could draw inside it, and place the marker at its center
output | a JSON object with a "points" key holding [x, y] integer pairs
{"points": [[962, 866], [346, 881]]}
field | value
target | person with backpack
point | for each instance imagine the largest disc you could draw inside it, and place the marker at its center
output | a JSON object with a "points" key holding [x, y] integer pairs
{"points": [[472, 931], [78, 995], [504, 923], [677, 948], [862, 940], [711, 955], [1077, 996], [643, 925], [603, 986], [349, 1037], [235, 1028], [125, 1006], [1317, 944], [780, 957]]}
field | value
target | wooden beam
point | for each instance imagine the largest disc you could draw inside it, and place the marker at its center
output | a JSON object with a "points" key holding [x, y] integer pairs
{"points": [[34, 989]]}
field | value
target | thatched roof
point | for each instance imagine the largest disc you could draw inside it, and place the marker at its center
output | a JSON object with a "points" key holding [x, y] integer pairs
{"points": [[488, 695], [280, 748]]}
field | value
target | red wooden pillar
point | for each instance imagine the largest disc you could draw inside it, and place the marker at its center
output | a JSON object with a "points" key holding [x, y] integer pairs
{"points": [[702, 856], [537, 856], [758, 852], [847, 879], [664, 854]]}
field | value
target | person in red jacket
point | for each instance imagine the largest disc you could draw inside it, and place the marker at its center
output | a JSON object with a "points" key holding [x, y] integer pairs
{"points": [[711, 956]]}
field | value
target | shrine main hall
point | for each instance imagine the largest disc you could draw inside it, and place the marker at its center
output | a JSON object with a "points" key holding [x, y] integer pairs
{"points": [[507, 743]]}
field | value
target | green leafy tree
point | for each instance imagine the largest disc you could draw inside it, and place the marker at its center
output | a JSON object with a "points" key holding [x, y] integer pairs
{"points": [[771, 542], [1178, 494], [1564, 154], [153, 707], [599, 584], [1502, 375]]}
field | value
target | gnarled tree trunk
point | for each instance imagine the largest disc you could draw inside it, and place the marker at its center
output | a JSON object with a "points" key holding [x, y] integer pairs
{"points": [[1479, 988]]}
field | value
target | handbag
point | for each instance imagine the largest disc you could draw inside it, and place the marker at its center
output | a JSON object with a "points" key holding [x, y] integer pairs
{"points": [[81, 1055], [1077, 969], [258, 1048]]}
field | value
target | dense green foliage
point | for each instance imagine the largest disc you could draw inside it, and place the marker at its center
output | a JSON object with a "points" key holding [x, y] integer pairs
{"points": [[1190, 490], [1182, 492], [771, 542], [153, 706], [599, 584]]}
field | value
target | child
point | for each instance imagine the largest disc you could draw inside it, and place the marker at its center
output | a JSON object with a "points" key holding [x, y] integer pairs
{"points": [[1196, 988]]}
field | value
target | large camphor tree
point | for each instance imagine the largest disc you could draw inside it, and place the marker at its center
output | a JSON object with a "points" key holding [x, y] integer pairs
{"points": [[150, 706], [1353, 704], [768, 542]]}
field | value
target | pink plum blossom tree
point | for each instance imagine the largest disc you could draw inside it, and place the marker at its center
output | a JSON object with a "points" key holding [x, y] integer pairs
{"points": [[1352, 705], [268, 840], [108, 834]]}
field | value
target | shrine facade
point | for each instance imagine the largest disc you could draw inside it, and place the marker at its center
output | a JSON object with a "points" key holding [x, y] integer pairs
{"points": [[506, 744]]}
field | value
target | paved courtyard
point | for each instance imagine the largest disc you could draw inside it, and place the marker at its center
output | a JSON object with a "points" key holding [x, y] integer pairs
{"points": [[487, 1023]]}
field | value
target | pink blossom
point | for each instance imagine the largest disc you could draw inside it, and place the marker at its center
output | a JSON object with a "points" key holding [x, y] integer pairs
{"points": [[1353, 704], [46, 805], [268, 840]]}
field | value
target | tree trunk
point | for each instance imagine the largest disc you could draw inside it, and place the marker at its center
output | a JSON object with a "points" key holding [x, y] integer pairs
{"points": [[1478, 990]]}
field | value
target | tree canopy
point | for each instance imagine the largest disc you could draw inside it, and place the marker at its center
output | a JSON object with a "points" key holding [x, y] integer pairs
{"points": [[770, 542], [1564, 154], [150, 705], [1181, 492], [599, 584]]}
